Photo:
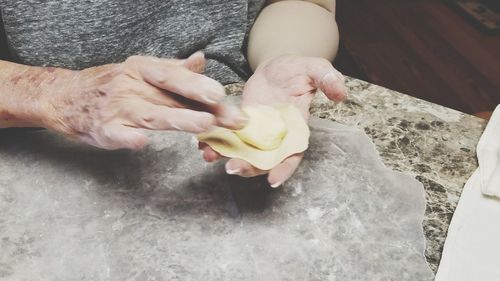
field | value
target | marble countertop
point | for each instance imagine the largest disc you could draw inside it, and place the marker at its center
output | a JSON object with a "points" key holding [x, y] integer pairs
{"points": [[433, 143], [73, 212]]}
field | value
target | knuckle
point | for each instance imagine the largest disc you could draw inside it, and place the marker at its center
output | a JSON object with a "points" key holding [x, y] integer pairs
{"points": [[127, 113], [134, 59], [148, 121], [109, 88], [119, 84], [122, 81], [162, 79], [104, 89], [166, 75]]}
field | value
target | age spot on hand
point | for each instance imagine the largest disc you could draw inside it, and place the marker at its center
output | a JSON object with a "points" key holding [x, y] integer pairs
{"points": [[15, 79]]}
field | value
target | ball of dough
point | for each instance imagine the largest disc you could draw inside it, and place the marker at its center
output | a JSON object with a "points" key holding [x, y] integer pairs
{"points": [[265, 129], [229, 144]]}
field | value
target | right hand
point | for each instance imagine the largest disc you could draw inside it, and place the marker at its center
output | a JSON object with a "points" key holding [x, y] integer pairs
{"points": [[107, 106]]}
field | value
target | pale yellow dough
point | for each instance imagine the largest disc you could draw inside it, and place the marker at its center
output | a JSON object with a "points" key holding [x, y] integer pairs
{"points": [[272, 135], [265, 128]]}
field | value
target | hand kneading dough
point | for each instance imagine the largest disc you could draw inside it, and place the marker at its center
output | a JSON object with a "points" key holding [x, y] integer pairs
{"points": [[291, 139]]}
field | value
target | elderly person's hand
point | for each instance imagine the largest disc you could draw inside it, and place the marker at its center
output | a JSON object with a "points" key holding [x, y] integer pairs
{"points": [[285, 79], [106, 106]]}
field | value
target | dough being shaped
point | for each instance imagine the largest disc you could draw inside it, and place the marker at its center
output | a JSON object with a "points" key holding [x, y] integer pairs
{"points": [[229, 144], [265, 129]]}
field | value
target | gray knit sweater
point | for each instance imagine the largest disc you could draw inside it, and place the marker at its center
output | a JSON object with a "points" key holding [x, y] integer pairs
{"points": [[77, 34]]}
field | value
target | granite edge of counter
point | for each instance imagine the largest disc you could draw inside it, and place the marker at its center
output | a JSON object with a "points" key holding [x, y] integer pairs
{"points": [[434, 144]]}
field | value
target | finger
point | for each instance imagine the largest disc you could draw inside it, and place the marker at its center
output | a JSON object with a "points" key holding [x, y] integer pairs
{"points": [[135, 61], [196, 62], [326, 78], [242, 168], [229, 116], [154, 117], [146, 91], [281, 173], [333, 85], [116, 136], [182, 81], [210, 155], [206, 149]]}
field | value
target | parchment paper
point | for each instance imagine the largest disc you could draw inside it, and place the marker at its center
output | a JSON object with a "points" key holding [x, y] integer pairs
{"points": [[70, 212]]}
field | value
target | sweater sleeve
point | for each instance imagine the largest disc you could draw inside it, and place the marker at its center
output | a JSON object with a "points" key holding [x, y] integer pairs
{"points": [[4, 48]]}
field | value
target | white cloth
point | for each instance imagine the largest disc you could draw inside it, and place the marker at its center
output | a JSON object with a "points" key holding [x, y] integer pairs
{"points": [[488, 154], [472, 248]]}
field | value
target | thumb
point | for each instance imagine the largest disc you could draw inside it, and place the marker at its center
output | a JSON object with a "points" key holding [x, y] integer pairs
{"points": [[333, 85], [329, 80]]}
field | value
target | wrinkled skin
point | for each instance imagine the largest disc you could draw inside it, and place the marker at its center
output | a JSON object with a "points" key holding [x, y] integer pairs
{"points": [[107, 106], [285, 79]]}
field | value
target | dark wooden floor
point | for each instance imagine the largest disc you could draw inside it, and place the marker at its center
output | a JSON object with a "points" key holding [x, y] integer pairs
{"points": [[423, 48]]}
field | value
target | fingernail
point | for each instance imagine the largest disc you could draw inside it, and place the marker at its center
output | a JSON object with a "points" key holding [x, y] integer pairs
{"points": [[333, 79], [232, 171], [276, 185], [330, 77]]}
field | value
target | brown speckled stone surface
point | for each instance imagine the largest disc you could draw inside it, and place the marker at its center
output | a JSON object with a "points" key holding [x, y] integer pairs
{"points": [[435, 144]]}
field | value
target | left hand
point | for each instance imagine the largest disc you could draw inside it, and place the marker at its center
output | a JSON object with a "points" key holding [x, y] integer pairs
{"points": [[287, 79]]}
